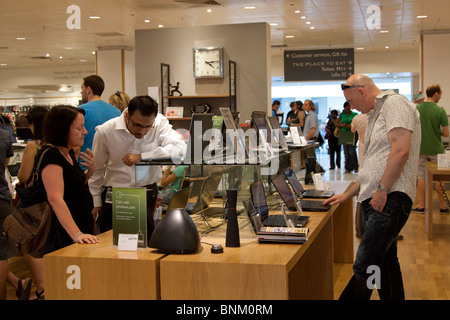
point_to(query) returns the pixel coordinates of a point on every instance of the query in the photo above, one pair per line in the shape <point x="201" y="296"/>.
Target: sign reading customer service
<point x="314" y="65"/>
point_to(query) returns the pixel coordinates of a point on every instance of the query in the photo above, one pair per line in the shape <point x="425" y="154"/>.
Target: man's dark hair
<point x="334" y="111"/>
<point x="96" y="84"/>
<point x="431" y="90"/>
<point x="57" y="124"/>
<point x="145" y="104"/>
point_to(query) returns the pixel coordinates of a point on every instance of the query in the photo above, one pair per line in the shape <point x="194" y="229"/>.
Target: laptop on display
<point x="300" y="192"/>
<point x="274" y="220"/>
<point x="203" y="193"/>
<point x="277" y="133"/>
<point x="289" y="199"/>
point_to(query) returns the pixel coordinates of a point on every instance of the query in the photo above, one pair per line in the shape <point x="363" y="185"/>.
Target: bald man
<point x="386" y="186"/>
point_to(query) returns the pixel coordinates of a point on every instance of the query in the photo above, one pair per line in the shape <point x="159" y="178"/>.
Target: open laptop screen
<point x="259" y="119"/>
<point x="284" y="191"/>
<point x="293" y="180"/>
<point x="259" y="199"/>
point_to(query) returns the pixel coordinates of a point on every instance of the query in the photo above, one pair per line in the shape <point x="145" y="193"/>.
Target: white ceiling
<point x="338" y="23"/>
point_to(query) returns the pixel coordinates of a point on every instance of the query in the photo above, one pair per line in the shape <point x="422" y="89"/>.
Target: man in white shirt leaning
<point x="140" y="133"/>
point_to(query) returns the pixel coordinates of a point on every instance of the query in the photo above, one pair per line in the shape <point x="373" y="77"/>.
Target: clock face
<point x="208" y="62"/>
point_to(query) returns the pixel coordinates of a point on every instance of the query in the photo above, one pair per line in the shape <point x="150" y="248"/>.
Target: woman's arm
<point x="26" y="167"/>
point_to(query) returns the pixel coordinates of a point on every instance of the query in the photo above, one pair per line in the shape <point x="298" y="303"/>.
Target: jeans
<point x="351" y="158"/>
<point x="378" y="247"/>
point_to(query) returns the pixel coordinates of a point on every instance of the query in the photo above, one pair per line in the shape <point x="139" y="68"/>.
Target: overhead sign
<point x="314" y="65"/>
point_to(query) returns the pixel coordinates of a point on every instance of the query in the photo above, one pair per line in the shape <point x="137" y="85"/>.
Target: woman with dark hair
<point x="35" y="118"/>
<point x="64" y="181"/>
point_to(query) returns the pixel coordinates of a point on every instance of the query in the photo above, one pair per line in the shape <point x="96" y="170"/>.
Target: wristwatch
<point x="383" y="188"/>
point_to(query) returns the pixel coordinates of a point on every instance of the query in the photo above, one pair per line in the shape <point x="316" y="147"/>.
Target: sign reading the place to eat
<point x="316" y="65"/>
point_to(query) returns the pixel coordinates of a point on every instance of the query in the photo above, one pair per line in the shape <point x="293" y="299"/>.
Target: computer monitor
<point x="259" y="120"/>
<point x="24" y="133"/>
<point x="259" y="198"/>
<point x="285" y="192"/>
<point x="237" y="136"/>
<point x="197" y="143"/>
<point x="277" y="133"/>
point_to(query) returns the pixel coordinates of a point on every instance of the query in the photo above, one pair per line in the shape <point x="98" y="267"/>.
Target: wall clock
<point x="208" y="62"/>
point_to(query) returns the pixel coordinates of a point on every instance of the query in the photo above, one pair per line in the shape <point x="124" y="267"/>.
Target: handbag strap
<point x="38" y="165"/>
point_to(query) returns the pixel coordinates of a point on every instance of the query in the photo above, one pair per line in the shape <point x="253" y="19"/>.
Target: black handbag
<point x="28" y="227"/>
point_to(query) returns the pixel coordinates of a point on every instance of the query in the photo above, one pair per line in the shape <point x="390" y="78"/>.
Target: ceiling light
<point x="308" y="22"/>
<point x="384" y="31"/>
<point x="20" y="38"/>
<point x="360" y="48"/>
<point x="3" y="64"/>
<point x="82" y="60"/>
<point x="422" y="17"/>
<point x="289" y="37"/>
<point x="146" y="20"/>
<point x="93" y="52"/>
<point x="160" y="26"/>
<point x="297" y="11"/>
<point x="249" y="7"/>
<point x="303" y="17"/>
<point x="274" y="24"/>
<point x="208" y="10"/>
<point x="312" y="28"/>
<point x="387" y="47"/>
<point x="47" y="54"/>
<point x="94" y="17"/>
<point x="68" y="48"/>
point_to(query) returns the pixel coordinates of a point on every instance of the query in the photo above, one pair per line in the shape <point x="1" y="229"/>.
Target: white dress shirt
<point x="112" y="141"/>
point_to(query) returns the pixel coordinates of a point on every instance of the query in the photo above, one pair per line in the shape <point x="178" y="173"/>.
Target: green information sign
<point x="130" y="214"/>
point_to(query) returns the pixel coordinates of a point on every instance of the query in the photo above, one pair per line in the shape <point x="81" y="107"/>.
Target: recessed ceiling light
<point x="422" y="17"/>
<point x="274" y="24"/>
<point x="297" y="11"/>
<point x="249" y="7"/>
<point x="312" y="28"/>
<point x="20" y="38"/>
<point x="60" y="57"/>
<point x="3" y="64"/>
<point x="360" y="48"/>
<point x="384" y="31"/>
<point x="289" y="37"/>
<point x="47" y="54"/>
<point x="308" y="22"/>
<point x="93" y="52"/>
<point x="146" y="20"/>
<point x="160" y="26"/>
<point x="94" y="17"/>
<point x="68" y="48"/>
<point x="387" y="47"/>
<point x="82" y="60"/>
<point x="208" y="10"/>
<point x="303" y="17"/>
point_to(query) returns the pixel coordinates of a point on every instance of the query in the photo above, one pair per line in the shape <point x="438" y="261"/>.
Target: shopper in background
<point x="418" y="97"/>
<point x="6" y="250"/>
<point x="35" y="117"/>
<point x="334" y="148"/>
<point x="120" y="100"/>
<point x="21" y="121"/>
<point x="275" y="107"/>
<point x="386" y="185"/>
<point x="97" y="111"/>
<point x="140" y="133"/>
<point x="301" y="115"/>
<point x="292" y="116"/>
<point x="345" y="123"/>
<point x="434" y="123"/>
<point x="311" y="128"/>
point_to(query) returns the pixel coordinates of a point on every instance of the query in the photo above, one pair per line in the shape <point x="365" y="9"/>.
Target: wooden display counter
<point x="265" y="271"/>
<point x="252" y="271"/>
<point x="100" y="271"/>
<point x="432" y="173"/>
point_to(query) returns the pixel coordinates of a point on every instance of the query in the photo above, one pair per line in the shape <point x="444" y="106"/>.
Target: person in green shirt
<point x="345" y="123"/>
<point x="434" y="124"/>
<point x="171" y="181"/>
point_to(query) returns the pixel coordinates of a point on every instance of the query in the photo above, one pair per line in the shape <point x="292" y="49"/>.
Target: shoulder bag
<point x="28" y="227"/>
